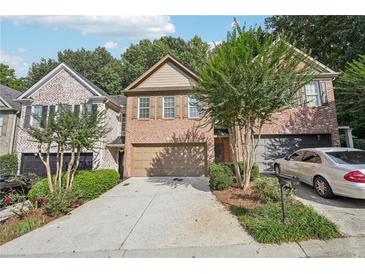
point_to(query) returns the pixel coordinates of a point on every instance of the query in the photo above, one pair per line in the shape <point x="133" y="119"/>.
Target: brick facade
<point x="157" y="130"/>
<point x="65" y="89"/>
<point x="307" y="120"/>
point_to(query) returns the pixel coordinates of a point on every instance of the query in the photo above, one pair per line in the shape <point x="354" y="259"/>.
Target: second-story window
<point x="144" y="107"/>
<point x="312" y="94"/>
<point x="315" y="94"/>
<point x="169" y="107"/>
<point x="36" y="116"/>
<point x="193" y="107"/>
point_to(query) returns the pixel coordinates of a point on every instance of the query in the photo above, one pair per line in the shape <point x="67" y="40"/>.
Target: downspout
<point x="12" y="140"/>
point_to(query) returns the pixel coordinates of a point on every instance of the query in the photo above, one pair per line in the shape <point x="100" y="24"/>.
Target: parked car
<point x="331" y="171"/>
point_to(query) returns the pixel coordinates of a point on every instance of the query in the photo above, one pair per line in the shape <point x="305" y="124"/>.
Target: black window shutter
<point x="94" y="108"/>
<point x="52" y="112"/>
<point x="77" y="110"/>
<point x="44" y="116"/>
<point x="28" y="113"/>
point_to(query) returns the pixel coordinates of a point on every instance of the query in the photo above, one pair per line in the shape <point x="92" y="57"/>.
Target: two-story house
<point x="157" y="129"/>
<point x="65" y="86"/>
<point x="165" y="135"/>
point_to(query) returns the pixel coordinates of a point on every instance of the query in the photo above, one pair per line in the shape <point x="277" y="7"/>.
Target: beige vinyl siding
<point x="167" y="75"/>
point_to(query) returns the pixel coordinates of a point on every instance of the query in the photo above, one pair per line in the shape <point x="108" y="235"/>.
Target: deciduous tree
<point x="249" y="77"/>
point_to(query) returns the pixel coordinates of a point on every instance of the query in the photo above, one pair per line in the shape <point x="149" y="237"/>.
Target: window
<point x="311" y="157"/>
<point x="36" y="116"/>
<point x="123" y="124"/>
<point x="355" y="157"/>
<point x="169" y="107"/>
<point x="193" y="107"/>
<point x="86" y="108"/>
<point x="144" y="107"/>
<point x="296" y="156"/>
<point x="323" y="90"/>
<point x="312" y="94"/>
<point x="1" y="123"/>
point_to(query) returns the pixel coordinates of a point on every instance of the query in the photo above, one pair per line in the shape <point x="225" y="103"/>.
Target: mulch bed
<point x="34" y="214"/>
<point x="235" y="196"/>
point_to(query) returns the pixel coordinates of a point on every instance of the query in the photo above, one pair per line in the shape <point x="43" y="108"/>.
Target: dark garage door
<point x="272" y="147"/>
<point x="31" y="163"/>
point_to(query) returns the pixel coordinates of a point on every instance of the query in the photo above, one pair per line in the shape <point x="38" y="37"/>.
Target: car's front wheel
<point x="322" y="187"/>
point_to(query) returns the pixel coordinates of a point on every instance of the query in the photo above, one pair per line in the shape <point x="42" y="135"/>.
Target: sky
<point x="27" y="39"/>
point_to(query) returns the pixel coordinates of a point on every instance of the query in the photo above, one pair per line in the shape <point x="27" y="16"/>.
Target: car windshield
<point x="348" y="157"/>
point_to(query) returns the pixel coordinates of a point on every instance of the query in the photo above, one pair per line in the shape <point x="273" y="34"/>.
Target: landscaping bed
<point x="88" y="185"/>
<point x="258" y="210"/>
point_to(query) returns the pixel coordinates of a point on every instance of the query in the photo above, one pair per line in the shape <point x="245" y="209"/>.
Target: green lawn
<point x="302" y="223"/>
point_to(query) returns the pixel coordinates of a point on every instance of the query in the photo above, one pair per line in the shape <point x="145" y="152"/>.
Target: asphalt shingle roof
<point x="9" y="94"/>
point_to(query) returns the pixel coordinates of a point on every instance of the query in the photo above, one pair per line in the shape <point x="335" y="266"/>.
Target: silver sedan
<point x="331" y="171"/>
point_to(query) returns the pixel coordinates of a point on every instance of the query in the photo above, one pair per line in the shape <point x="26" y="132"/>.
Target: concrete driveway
<point x="347" y="213"/>
<point x="138" y="214"/>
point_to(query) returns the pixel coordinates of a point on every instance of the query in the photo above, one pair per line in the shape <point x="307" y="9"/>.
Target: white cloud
<point x="15" y="62"/>
<point x="125" y="27"/>
<point x="21" y="50"/>
<point x="110" y="45"/>
<point x="213" y="44"/>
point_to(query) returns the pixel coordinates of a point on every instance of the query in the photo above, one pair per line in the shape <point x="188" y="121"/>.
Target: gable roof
<point x="151" y="70"/>
<point x="95" y="90"/>
<point x="7" y="95"/>
<point x="324" y="69"/>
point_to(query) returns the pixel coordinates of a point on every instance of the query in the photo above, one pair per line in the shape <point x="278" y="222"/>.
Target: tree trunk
<point x="46" y="164"/>
<point x="69" y="168"/>
<point x="233" y="145"/>
<point x="76" y="165"/>
<point x="60" y="168"/>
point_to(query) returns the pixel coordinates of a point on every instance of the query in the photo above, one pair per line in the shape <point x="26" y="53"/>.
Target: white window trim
<point x="189" y="116"/>
<point x="318" y="95"/>
<point x="163" y="107"/>
<point x="139" y="106"/>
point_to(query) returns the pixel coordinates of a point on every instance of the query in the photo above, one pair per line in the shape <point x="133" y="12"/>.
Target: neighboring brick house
<point x="157" y="129"/>
<point x="65" y="86"/>
<point x="9" y="117"/>
<point x="178" y="144"/>
<point x="164" y="133"/>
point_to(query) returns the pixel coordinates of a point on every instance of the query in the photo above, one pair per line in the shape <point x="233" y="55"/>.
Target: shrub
<point x="255" y="172"/>
<point x="8" y="164"/>
<point x="268" y="189"/>
<point x="38" y="190"/>
<point x="57" y="204"/>
<point x="92" y="183"/>
<point x="88" y="184"/>
<point x="220" y="176"/>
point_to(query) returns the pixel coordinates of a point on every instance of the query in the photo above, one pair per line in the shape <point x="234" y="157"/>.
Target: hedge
<point x="89" y="184"/>
<point x="8" y="164"/>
